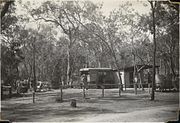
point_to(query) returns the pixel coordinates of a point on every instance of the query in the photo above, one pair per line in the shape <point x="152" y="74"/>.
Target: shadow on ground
<point x="22" y="109"/>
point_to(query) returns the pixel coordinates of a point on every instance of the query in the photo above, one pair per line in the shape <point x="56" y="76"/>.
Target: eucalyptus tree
<point x="95" y="48"/>
<point x="5" y="5"/>
<point x="66" y="15"/>
<point x="167" y="35"/>
<point x="11" y="53"/>
<point x="153" y="7"/>
<point x="166" y="25"/>
<point x="107" y="34"/>
<point x="45" y="53"/>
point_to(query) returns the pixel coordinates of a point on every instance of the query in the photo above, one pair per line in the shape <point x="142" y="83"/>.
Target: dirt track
<point x="111" y="108"/>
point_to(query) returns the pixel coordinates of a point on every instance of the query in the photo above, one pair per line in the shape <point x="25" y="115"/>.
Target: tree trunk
<point x="141" y="79"/>
<point x="68" y="67"/>
<point x="165" y="68"/>
<point x="154" y="52"/>
<point x="99" y="63"/>
<point x="172" y="66"/>
<point x="117" y="66"/>
<point x="134" y="73"/>
<point x="27" y="73"/>
<point x="34" y="65"/>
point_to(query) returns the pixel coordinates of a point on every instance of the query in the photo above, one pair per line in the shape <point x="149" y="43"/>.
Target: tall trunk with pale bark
<point x="68" y="58"/>
<point x="68" y="67"/>
<point x="154" y="51"/>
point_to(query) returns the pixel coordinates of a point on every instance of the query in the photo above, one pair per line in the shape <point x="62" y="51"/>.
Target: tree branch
<point x="68" y="18"/>
<point x="53" y="21"/>
<point x="5" y="8"/>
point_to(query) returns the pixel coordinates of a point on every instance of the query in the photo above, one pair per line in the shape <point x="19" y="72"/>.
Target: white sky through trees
<point x="139" y="6"/>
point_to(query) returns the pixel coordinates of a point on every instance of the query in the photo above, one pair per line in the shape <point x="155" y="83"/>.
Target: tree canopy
<point x="69" y="35"/>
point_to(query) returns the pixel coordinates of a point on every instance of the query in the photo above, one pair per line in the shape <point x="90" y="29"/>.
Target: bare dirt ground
<point x="111" y="108"/>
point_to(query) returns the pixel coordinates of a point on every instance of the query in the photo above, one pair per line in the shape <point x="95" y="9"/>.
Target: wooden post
<point x="33" y="96"/>
<point x="141" y="80"/>
<point x="149" y="91"/>
<point x="125" y="86"/>
<point x="2" y="96"/>
<point x="102" y="91"/>
<point x="119" y="89"/>
<point x="135" y="88"/>
<point x="61" y="93"/>
<point x="84" y="93"/>
<point x="10" y="91"/>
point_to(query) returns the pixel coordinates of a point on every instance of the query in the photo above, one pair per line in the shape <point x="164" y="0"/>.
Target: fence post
<point x="2" y="96"/>
<point x="149" y="88"/>
<point x="61" y="93"/>
<point x="102" y="90"/>
<point x="135" y="88"/>
<point x="125" y="86"/>
<point x="10" y="91"/>
<point x="119" y="89"/>
<point x="84" y="93"/>
<point x="33" y="96"/>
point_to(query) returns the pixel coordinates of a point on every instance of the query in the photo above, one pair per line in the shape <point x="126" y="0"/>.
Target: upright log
<point x="61" y="93"/>
<point x="84" y="93"/>
<point x="119" y="90"/>
<point x="33" y="94"/>
<point x="135" y="88"/>
<point x="149" y="91"/>
<point x="102" y="91"/>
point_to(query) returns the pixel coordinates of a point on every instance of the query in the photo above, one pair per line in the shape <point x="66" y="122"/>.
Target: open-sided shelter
<point x="127" y="74"/>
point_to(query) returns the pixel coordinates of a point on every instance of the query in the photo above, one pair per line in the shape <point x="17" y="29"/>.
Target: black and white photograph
<point x="89" y="61"/>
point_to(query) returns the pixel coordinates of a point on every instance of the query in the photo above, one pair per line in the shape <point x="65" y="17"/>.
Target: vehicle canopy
<point x="100" y="76"/>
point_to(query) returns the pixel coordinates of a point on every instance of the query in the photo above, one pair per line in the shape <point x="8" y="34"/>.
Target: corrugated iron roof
<point x="139" y="67"/>
<point x="97" y="69"/>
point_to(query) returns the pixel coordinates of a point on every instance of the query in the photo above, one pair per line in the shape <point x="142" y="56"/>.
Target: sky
<point x="109" y="5"/>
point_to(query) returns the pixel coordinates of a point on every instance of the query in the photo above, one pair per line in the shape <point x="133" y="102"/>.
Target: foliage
<point x="11" y="54"/>
<point x="74" y="34"/>
<point x="167" y="35"/>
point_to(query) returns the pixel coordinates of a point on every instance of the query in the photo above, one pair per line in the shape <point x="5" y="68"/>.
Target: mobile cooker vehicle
<point x="101" y="76"/>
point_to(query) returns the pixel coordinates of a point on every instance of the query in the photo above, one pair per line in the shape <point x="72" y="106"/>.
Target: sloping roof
<point x="96" y="69"/>
<point x="140" y="67"/>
